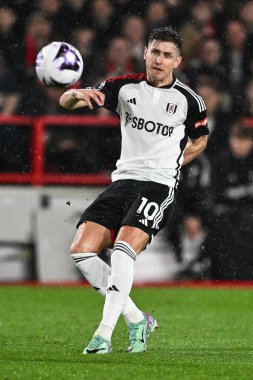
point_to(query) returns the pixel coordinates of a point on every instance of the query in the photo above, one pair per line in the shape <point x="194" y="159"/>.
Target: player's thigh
<point x="91" y="237"/>
<point x="105" y="211"/>
<point x="134" y="236"/>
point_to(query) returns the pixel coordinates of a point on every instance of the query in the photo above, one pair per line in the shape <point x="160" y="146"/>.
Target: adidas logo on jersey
<point x="133" y="101"/>
<point x="112" y="288"/>
<point x="144" y="221"/>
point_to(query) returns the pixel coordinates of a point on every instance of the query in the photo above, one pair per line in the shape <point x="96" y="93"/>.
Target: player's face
<point x="161" y="58"/>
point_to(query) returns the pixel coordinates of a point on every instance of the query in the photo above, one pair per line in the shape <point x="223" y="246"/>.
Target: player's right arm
<point x="73" y="99"/>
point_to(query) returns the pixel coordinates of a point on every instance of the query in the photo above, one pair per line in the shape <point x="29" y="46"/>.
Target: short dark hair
<point x="167" y="34"/>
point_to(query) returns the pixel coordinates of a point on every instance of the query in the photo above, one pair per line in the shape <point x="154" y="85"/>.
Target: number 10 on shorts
<point x="150" y="209"/>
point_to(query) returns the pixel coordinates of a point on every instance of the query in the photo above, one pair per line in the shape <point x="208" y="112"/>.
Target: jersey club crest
<point x="171" y="108"/>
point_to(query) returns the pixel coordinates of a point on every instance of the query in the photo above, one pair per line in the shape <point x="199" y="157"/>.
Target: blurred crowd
<point x="111" y="35"/>
<point x="213" y="215"/>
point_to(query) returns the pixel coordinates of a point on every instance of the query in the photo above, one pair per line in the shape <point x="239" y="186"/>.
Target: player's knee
<point x="136" y="238"/>
<point x="82" y="247"/>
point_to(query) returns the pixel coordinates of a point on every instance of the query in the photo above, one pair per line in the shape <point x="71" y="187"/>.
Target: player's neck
<point x="162" y="83"/>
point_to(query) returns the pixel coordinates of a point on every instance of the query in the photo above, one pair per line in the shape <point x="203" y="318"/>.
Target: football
<point x="59" y="64"/>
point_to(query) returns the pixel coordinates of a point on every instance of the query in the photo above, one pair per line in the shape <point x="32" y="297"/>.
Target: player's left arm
<point x="193" y="148"/>
<point x="197" y="128"/>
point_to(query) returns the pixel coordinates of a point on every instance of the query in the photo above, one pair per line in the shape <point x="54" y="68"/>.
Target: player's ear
<point x="177" y="62"/>
<point x="145" y="53"/>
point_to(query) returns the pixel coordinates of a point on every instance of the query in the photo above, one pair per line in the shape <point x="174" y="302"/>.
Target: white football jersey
<point x="155" y="126"/>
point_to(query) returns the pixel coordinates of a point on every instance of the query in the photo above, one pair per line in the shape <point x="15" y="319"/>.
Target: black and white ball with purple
<point x="59" y="64"/>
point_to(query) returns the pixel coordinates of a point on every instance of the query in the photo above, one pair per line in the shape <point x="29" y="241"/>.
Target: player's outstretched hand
<point x="83" y="97"/>
<point x="88" y="95"/>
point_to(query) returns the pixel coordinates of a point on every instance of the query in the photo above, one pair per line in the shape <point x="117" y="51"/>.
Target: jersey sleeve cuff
<point x="198" y="133"/>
